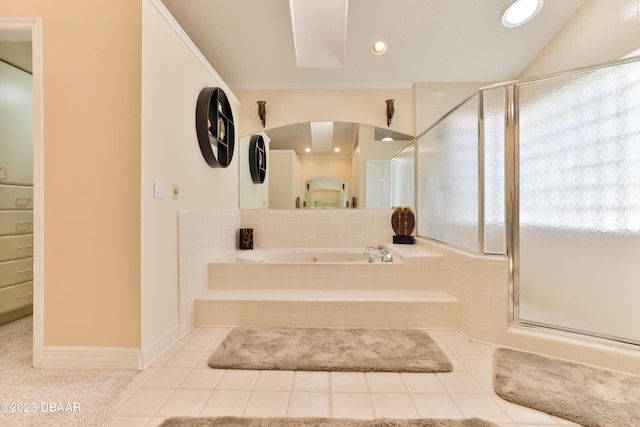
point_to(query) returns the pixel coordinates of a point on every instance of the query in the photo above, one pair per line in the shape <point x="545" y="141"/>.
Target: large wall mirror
<point x="330" y="165"/>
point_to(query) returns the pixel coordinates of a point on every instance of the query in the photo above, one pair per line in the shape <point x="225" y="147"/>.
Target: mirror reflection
<point x="330" y="165"/>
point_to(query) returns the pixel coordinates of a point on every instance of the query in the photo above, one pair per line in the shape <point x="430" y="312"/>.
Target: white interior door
<point x="378" y="177"/>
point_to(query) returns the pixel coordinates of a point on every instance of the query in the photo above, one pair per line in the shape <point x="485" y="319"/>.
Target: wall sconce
<point x="262" y="112"/>
<point x="390" y="110"/>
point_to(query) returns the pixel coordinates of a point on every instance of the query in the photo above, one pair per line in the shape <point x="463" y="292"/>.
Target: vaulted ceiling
<point x="261" y="44"/>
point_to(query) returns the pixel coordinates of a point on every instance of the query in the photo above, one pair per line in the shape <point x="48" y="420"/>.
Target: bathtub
<point x="308" y="256"/>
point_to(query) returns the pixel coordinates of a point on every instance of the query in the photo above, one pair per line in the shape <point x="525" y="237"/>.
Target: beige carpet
<point x="586" y="395"/>
<point x="330" y="349"/>
<point x="92" y="394"/>
<point x="320" y="422"/>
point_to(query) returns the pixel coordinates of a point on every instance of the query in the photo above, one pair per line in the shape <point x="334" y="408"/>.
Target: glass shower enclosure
<point x="547" y="171"/>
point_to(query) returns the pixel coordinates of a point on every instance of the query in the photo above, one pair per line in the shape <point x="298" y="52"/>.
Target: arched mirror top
<point x="303" y="151"/>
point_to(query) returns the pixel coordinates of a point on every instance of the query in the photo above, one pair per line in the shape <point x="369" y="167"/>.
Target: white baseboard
<point x="161" y="345"/>
<point x="90" y="358"/>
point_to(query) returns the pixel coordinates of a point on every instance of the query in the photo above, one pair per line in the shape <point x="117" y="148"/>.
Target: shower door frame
<point x="512" y="207"/>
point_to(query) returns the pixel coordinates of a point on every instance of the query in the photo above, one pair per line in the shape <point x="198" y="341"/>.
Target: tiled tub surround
<point x="318" y="228"/>
<point x="203" y="235"/>
<point x="404" y="293"/>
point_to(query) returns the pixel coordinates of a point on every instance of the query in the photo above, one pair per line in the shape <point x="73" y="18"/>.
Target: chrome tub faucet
<point x="385" y="254"/>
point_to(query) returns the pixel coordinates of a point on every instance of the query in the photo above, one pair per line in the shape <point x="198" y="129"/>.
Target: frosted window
<point x="583" y="135"/>
<point x="494" y="210"/>
<point x="580" y="202"/>
<point x="448" y="179"/>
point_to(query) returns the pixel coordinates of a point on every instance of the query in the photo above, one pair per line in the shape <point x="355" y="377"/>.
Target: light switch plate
<point x="158" y="189"/>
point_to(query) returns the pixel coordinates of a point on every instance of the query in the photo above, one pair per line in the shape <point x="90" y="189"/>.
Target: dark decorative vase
<point x="246" y="238"/>
<point x="403" y="221"/>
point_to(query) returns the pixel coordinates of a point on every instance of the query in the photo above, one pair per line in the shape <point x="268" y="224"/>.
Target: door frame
<point x="30" y="29"/>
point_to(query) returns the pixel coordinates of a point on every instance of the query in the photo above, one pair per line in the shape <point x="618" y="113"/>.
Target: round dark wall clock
<point x="257" y="159"/>
<point x="214" y="127"/>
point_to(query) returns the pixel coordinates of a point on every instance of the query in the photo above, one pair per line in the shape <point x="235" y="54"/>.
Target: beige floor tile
<point x="431" y="405"/>
<point x="237" y="380"/>
<point x="206" y="379"/>
<point x="184" y="403"/>
<point x="463" y="346"/>
<point x="349" y="382"/>
<point x="274" y="381"/>
<point x="393" y="405"/>
<point x="352" y="405"/>
<point x="457" y="365"/>
<point x="216" y="332"/>
<point x="385" y="382"/>
<point x="311" y="381"/>
<point x="203" y="363"/>
<point x="485" y="379"/>
<point x="155" y="421"/>
<point x="481" y="406"/>
<point x="460" y="382"/>
<point x="124" y="395"/>
<point x="309" y="404"/>
<point x="129" y="421"/>
<point x="162" y="359"/>
<point x="267" y="404"/>
<point x="225" y="403"/>
<point x="422" y="383"/>
<point x="184" y="359"/>
<point x="166" y="378"/>
<point x="144" y="402"/>
<point x="178" y="345"/>
<point x="141" y="377"/>
<point x="199" y="344"/>
<point x="476" y="362"/>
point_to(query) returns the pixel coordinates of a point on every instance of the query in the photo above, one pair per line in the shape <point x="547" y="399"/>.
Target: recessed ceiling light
<point x="337" y="149"/>
<point x="519" y="12"/>
<point x="379" y="47"/>
<point x="387" y="139"/>
<point x="308" y="150"/>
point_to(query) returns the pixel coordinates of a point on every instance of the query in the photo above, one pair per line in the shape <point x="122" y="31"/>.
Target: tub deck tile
<point x="326" y="308"/>
<point x="327" y="295"/>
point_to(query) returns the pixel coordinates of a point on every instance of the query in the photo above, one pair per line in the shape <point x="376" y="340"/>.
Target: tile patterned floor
<point x="179" y="383"/>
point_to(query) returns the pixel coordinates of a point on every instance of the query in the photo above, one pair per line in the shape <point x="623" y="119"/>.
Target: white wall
<point x="284" y="178"/>
<point x="601" y="31"/>
<point x="370" y="149"/>
<point x="434" y="100"/>
<point x="172" y="77"/>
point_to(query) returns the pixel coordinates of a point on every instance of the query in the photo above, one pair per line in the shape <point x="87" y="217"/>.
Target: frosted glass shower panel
<point x="403" y="178"/>
<point x="579" y="205"/>
<point x="448" y="178"/>
<point x="493" y="109"/>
